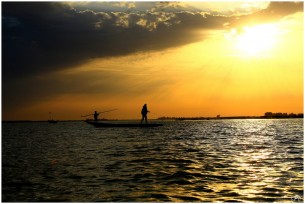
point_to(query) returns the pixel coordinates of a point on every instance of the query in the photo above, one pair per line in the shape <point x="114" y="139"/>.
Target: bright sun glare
<point x="255" y="41"/>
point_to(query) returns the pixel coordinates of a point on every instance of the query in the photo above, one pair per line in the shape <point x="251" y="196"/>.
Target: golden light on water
<point x="228" y="63"/>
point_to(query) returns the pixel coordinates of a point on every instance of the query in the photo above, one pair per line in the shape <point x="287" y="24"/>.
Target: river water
<point x="182" y="161"/>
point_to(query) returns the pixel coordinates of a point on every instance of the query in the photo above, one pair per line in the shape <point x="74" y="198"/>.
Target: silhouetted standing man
<point x="144" y="113"/>
<point x="95" y="115"/>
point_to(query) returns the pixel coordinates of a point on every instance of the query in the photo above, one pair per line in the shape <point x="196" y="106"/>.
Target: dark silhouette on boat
<point x="144" y="112"/>
<point x="96" y="114"/>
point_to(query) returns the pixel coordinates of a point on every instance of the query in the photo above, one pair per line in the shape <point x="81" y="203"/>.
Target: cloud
<point x="40" y="38"/>
<point x="45" y="36"/>
<point x="274" y="11"/>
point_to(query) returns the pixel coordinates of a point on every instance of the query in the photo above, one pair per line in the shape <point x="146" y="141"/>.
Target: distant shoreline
<point x="161" y="118"/>
<point x="223" y="118"/>
<point x="268" y="115"/>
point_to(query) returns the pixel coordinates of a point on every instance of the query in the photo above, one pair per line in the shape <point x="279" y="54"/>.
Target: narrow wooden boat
<point x="103" y="124"/>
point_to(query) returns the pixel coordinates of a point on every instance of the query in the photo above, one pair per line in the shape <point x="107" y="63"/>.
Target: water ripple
<point x="183" y="161"/>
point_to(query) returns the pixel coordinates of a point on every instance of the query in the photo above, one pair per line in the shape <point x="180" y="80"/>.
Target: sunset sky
<point x="180" y="58"/>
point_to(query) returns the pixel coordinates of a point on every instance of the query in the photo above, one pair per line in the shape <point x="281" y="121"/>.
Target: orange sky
<point x="243" y="70"/>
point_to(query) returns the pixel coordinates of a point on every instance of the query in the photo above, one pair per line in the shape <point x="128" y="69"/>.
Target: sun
<point x="256" y="41"/>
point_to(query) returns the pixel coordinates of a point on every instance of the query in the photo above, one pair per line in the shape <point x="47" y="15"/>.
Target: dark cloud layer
<point x="39" y="37"/>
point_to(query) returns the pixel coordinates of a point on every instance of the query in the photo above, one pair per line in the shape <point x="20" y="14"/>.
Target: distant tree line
<point x="283" y="115"/>
<point x="209" y="118"/>
<point x="267" y="115"/>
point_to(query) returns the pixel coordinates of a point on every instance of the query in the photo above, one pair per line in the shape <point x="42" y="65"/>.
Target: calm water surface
<point x="183" y="161"/>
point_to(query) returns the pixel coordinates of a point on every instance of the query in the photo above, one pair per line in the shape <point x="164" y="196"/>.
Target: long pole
<point x="100" y="112"/>
<point x="109" y="110"/>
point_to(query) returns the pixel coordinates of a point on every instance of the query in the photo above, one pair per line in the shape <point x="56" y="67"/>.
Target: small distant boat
<point x="53" y="121"/>
<point x="102" y="124"/>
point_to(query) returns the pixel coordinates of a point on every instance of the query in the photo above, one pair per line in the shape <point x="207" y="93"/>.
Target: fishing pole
<point x="100" y="112"/>
<point x="158" y="116"/>
<point x="108" y="111"/>
<point x="85" y="115"/>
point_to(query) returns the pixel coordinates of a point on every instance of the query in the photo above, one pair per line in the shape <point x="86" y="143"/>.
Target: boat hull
<point x="101" y="124"/>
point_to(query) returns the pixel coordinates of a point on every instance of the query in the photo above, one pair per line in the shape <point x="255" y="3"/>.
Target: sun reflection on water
<point x="206" y="161"/>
